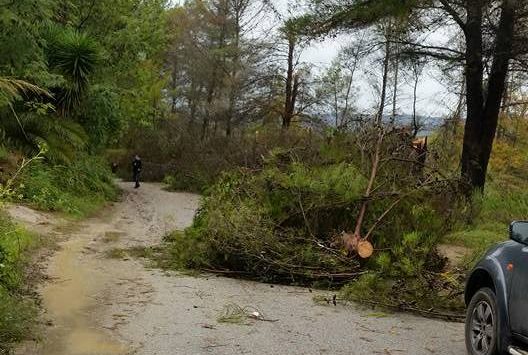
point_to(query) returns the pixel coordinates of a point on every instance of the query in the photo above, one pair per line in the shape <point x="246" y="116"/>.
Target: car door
<point x="518" y="305"/>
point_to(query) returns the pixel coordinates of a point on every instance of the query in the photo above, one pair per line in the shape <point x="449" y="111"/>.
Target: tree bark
<point x="415" y="99"/>
<point x="396" y="82"/>
<point x="386" y="61"/>
<point x="471" y="172"/>
<point x="289" y="103"/>
<point x="497" y="83"/>
<point x="483" y="113"/>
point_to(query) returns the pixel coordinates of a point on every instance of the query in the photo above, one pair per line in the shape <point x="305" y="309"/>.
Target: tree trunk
<point x="386" y="61"/>
<point x="457" y="115"/>
<point x="497" y="82"/>
<point x="415" y="99"/>
<point x="174" y="85"/>
<point x="396" y="82"/>
<point x="471" y="171"/>
<point x="233" y="92"/>
<point x="208" y="103"/>
<point x="483" y="116"/>
<point x="288" y="107"/>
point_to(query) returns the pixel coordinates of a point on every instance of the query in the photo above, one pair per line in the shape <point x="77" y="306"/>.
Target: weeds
<point x="78" y="189"/>
<point x="17" y="310"/>
<point x="234" y="314"/>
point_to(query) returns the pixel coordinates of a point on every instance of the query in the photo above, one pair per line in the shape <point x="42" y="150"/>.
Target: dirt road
<point x="98" y="305"/>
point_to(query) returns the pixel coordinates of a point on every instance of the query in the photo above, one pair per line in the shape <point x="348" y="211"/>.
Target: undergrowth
<point x="77" y="188"/>
<point x="17" y="308"/>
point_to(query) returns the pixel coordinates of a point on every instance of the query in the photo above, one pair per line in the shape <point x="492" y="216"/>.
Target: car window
<point x="519" y="232"/>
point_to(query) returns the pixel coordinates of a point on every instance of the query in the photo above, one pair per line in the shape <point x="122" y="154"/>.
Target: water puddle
<point x="70" y="300"/>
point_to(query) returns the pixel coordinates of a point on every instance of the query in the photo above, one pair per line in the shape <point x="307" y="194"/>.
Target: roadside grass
<point x="77" y="189"/>
<point x="501" y="204"/>
<point x="18" y="309"/>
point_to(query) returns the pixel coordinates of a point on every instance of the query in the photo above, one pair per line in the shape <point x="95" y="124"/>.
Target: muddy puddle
<point x="79" y="285"/>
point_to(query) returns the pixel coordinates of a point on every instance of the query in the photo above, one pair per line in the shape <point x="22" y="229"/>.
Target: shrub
<point x="173" y="149"/>
<point x="17" y="311"/>
<point x="77" y="188"/>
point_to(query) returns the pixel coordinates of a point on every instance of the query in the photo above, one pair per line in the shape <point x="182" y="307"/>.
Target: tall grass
<point x="17" y="310"/>
<point x="78" y="188"/>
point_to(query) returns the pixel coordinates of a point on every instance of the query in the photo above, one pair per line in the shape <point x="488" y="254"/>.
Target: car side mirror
<point x="519" y="231"/>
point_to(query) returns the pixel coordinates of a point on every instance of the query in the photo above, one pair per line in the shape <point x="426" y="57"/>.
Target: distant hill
<point x="427" y="123"/>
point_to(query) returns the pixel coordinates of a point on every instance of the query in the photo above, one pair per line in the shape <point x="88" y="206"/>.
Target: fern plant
<point x="62" y="137"/>
<point x="13" y="89"/>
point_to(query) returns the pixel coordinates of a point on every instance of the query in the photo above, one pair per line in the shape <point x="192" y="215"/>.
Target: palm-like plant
<point x="63" y="138"/>
<point x="29" y="131"/>
<point x="74" y="55"/>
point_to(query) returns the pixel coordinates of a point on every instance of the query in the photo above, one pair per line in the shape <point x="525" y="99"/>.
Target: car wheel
<point x="482" y="324"/>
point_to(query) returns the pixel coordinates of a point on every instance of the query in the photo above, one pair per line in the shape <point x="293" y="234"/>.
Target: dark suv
<point x="497" y="298"/>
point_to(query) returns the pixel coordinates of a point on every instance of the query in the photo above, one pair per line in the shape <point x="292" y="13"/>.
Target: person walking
<point x="136" y="169"/>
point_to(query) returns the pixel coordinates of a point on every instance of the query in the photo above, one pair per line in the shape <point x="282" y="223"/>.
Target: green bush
<point x="17" y="311"/>
<point x="17" y="319"/>
<point x="78" y="188"/>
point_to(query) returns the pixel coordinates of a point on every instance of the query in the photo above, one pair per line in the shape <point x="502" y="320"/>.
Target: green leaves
<point x="75" y="56"/>
<point x="333" y="15"/>
<point x="12" y="89"/>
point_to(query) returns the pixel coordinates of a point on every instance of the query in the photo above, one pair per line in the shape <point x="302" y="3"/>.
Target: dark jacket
<point x="136" y="166"/>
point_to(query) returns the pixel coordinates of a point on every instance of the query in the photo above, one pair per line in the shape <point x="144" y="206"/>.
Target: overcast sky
<point x="433" y="97"/>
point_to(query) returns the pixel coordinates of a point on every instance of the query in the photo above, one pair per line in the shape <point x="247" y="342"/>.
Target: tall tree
<point x="217" y="66"/>
<point x="491" y="43"/>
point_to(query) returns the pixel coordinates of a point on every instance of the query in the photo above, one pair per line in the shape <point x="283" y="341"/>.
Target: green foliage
<point x="17" y="318"/>
<point x="74" y="55"/>
<point x="12" y="89"/>
<point x="63" y="138"/>
<point x="330" y="16"/>
<point x="13" y="242"/>
<point x="430" y="294"/>
<point x="20" y="36"/>
<point x="77" y="188"/>
<point x="102" y="117"/>
<point x="283" y="222"/>
<point x="101" y="66"/>
<point x="17" y="312"/>
<point x="491" y="214"/>
<point x="274" y="225"/>
<point x="402" y="277"/>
